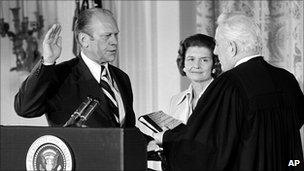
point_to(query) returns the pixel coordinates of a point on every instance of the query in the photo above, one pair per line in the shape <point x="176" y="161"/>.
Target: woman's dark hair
<point x="197" y="40"/>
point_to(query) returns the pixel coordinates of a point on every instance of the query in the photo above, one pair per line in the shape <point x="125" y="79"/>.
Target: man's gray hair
<point x="242" y="29"/>
<point x="83" y="22"/>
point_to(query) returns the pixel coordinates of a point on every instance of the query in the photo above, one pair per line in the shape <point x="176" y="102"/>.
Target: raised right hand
<point x="52" y="44"/>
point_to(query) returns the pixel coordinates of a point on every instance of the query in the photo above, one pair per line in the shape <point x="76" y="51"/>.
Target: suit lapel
<point x="88" y="86"/>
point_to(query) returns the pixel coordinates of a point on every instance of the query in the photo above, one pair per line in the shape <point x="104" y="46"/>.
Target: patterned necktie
<point x="105" y="84"/>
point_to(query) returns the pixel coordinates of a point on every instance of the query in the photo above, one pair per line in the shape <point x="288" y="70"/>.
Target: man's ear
<point x="83" y="39"/>
<point x="232" y="47"/>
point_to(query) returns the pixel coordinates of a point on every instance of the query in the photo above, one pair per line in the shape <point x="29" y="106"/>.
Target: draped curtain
<point x="137" y="49"/>
<point x="148" y="43"/>
<point x="281" y="23"/>
<point x="136" y="52"/>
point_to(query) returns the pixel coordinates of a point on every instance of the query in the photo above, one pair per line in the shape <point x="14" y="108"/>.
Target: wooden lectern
<point x="91" y="148"/>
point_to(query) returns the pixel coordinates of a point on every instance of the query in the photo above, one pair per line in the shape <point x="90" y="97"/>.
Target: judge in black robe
<point x="247" y="119"/>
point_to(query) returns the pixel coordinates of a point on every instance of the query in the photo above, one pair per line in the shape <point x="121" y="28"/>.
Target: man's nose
<point x="113" y="40"/>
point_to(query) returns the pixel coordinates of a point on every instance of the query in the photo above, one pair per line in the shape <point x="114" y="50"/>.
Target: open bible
<point x="157" y="120"/>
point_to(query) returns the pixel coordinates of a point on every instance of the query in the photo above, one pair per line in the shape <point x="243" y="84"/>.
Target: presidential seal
<point x="48" y="153"/>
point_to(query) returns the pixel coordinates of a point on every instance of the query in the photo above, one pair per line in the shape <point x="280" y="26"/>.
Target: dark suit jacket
<point x="58" y="90"/>
<point x="247" y="119"/>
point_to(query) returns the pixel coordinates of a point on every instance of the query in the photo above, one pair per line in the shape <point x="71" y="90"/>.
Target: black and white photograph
<point x="151" y="85"/>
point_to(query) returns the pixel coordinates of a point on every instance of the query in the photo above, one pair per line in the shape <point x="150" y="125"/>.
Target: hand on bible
<point x="159" y="136"/>
<point x="52" y="45"/>
<point x="152" y="146"/>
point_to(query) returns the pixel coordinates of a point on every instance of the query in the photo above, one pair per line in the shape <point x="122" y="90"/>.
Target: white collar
<point x="185" y="94"/>
<point x="246" y="59"/>
<point x="189" y="93"/>
<point x="94" y="67"/>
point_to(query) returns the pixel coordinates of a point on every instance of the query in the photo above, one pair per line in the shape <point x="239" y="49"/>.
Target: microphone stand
<point x="88" y="111"/>
<point x="78" y="112"/>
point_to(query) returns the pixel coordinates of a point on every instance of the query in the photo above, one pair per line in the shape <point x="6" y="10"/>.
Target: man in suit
<point x="57" y="90"/>
<point x="248" y="118"/>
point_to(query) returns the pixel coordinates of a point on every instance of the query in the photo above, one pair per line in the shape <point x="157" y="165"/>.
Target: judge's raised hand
<point x="52" y="45"/>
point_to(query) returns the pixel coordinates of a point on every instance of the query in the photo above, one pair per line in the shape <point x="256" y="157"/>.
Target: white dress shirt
<point x="181" y="104"/>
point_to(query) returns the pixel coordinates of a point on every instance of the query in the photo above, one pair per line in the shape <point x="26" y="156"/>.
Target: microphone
<point x="86" y="114"/>
<point x="78" y="112"/>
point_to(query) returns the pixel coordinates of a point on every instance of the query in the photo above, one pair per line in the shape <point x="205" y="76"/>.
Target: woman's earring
<point x="213" y="71"/>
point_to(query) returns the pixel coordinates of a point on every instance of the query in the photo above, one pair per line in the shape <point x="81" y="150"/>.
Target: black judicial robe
<point x="248" y="119"/>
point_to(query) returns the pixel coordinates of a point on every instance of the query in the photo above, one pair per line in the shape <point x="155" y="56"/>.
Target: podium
<point x="54" y="148"/>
